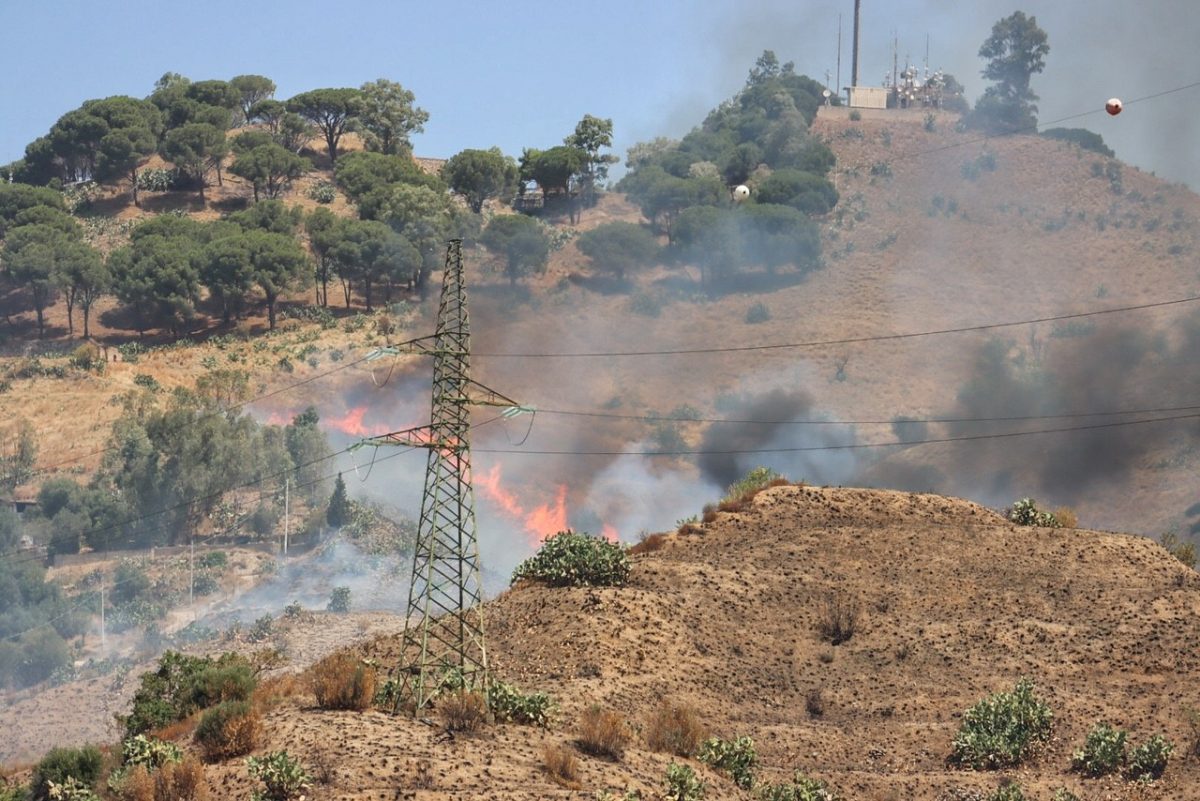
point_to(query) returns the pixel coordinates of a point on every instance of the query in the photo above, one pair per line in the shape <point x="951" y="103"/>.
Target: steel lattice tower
<point x="443" y="629"/>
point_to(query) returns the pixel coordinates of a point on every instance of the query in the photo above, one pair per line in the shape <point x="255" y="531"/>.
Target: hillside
<point x="955" y="603"/>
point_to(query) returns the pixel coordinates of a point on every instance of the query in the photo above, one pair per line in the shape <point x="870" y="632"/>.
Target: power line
<point x="854" y="446"/>
<point x="845" y="341"/>
<point x="892" y="421"/>
<point x="1020" y="130"/>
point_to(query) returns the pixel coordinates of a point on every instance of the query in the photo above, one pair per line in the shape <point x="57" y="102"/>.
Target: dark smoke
<point x="782" y="406"/>
<point x="1109" y="369"/>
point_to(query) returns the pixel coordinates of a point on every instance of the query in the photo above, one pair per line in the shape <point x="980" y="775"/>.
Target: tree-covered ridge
<point x="759" y="138"/>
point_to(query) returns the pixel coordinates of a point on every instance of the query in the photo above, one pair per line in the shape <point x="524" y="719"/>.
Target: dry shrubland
<point x="342" y="681"/>
<point x="602" y="733"/>
<point x="562" y="766"/>
<point x="674" y="729"/>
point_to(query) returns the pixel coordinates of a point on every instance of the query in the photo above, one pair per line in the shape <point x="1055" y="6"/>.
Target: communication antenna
<point x="443" y="626"/>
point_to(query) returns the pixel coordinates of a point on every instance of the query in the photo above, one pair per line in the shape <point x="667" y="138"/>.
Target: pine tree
<point x="338" y="513"/>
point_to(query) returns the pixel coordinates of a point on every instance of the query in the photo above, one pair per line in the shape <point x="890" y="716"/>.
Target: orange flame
<point x="609" y="533"/>
<point x="352" y="423"/>
<point x="543" y="521"/>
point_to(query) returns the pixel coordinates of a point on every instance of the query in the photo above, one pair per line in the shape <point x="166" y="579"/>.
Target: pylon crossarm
<point x="425" y="345"/>
<point x="478" y="394"/>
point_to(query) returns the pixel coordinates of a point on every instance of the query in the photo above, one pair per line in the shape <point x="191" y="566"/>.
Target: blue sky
<point x="522" y="73"/>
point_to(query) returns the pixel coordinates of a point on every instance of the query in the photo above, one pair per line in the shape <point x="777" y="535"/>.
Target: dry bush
<point x="230" y="729"/>
<point x="323" y="764"/>
<point x="654" y="542"/>
<point x="463" y="711"/>
<point x="602" y="733"/>
<point x="181" y="781"/>
<point x="1066" y="517"/>
<point x="179" y="729"/>
<point x="137" y="785"/>
<point x="422" y="775"/>
<point x="342" y="681"/>
<point x="674" y="729"/>
<point x="562" y="766"/>
<point x="710" y="514"/>
<point x="814" y="702"/>
<point x="278" y="688"/>
<point x="746" y="500"/>
<point x="838" y="617"/>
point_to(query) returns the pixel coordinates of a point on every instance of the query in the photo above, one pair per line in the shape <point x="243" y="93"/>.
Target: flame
<point x="549" y="518"/>
<point x="542" y="522"/>
<point x="609" y="533"/>
<point x="352" y="423"/>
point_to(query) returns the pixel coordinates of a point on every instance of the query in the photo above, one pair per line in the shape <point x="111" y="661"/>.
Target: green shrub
<point x="1185" y="552"/>
<point x="1148" y="760"/>
<point x="1008" y="792"/>
<point x="283" y="777"/>
<point x="233" y="681"/>
<point x="645" y="304"/>
<point x="1063" y="794"/>
<point x="758" y="313"/>
<point x="683" y="784"/>
<point x="757" y="479"/>
<point x="229" y="729"/>
<point x="1025" y="513"/>
<point x="1003" y="729"/>
<point x="323" y="192"/>
<point x="1102" y="753"/>
<point x="82" y="764"/>
<point x="262" y="629"/>
<point x="181" y="685"/>
<point x="735" y="757"/>
<point x="509" y="704"/>
<point x="855" y="115"/>
<point x="71" y="789"/>
<point x="213" y="560"/>
<point x="149" y="752"/>
<point x="13" y="792"/>
<point x="40" y="653"/>
<point x="568" y="559"/>
<point x="801" y="788"/>
<point x="339" y="600"/>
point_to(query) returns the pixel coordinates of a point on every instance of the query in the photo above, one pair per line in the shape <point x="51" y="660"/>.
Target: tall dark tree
<point x="388" y="116"/>
<point x="480" y="174"/>
<point x="252" y="90"/>
<point x="331" y="110"/>
<point x="270" y="168"/>
<point x="84" y="277"/>
<point x="1015" y="51"/>
<point x="195" y="148"/>
<point x="321" y="227"/>
<point x="278" y="264"/>
<point x="618" y="247"/>
<point x="337" y="514"/>
<point x="591" y="135"/>
<point x="554" y="170"/>
<point x="155" y="276"/>
<point x="520" y="242"/>
<point x="31" y="256"/>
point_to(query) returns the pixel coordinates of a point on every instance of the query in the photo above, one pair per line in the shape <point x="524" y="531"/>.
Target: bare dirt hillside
<point x="955" y="602"/>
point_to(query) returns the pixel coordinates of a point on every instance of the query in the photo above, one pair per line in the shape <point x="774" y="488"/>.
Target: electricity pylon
<point x="443" y="628"/>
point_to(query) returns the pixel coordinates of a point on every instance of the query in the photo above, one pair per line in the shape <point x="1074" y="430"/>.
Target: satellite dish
<point x="826" y="93"/>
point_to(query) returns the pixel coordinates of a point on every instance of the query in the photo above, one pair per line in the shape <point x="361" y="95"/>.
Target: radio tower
<point x="443" y="627"/>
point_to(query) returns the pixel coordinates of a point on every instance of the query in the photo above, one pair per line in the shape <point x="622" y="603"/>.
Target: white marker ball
<point x="741" y="192"/>
<point x="1114" y="106"/>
